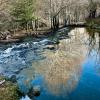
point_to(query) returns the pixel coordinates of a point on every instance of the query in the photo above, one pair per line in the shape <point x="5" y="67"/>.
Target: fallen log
<point x="2" y="82"/>
<point x="10" y="41"/>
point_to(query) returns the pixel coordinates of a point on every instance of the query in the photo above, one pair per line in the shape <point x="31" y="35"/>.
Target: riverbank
<point x="9" y="37"/>
<point x="18" y="36"/>
<point x="8" y="90"/>
<point x="93" y="23"/>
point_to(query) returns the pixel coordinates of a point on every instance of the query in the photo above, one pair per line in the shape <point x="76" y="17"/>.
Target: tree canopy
<point x="23" y="11"/>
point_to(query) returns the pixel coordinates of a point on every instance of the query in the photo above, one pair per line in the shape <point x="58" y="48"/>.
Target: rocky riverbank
<point x="11" y="37"/>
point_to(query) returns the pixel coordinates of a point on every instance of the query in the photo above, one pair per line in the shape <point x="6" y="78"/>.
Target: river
<point x="67" y="70"/>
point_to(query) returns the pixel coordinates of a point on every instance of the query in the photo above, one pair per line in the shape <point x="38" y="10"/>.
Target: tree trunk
<point x="27" y="26"/>
<point x="36" y="24"/>
<point x="32" y="25"/>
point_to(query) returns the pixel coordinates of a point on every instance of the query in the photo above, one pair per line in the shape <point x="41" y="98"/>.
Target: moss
<point x="8" y="90"/>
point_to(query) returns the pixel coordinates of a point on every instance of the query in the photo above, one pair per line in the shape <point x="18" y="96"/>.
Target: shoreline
<point x="7" y="87"/>
<point x="20" y="36"/>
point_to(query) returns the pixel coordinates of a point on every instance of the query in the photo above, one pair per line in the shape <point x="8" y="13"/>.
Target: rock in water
<point x="35" y="91"/>
<point x="50" y="47"/>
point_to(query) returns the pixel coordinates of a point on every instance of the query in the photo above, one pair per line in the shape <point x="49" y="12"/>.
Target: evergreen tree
<point x="23" y="11"/>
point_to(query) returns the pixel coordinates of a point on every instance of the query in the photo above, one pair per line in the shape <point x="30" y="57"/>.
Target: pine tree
<point x="23" y="11"/>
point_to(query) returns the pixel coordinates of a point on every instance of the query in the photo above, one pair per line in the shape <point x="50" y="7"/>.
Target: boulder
<point x="50" y="47"/>
<point x="8" y="37"/>
<point x="35" y="91"/>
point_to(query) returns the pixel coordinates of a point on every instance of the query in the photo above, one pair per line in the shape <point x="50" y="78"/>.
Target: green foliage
<point x="23" y="11"/>
<point x="92" y="5"/>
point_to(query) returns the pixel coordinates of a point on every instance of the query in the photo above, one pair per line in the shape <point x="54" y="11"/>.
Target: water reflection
<point x="94" y="42"/>
<point x="94" y="46"/>
<point x="60" y="72"/>
<point x="69" y="72"/>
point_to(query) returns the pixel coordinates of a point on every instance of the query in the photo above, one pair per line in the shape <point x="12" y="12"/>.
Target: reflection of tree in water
<point x="61" y="69"/>
<point x="94" y="43"/>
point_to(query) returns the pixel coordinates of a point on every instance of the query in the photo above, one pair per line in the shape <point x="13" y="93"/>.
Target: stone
<point x="8" y="37"/>
<point x="50" y="47"/>
<point x="35" y="91"/>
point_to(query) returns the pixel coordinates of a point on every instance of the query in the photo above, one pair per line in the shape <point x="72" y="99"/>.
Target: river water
<point x="67" y="70"/>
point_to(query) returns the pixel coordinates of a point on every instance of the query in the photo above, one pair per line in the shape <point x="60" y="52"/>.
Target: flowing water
<point x="68" y="70"/>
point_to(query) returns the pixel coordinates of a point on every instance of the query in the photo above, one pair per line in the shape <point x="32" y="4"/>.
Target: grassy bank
<point x="8" y="90"/>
